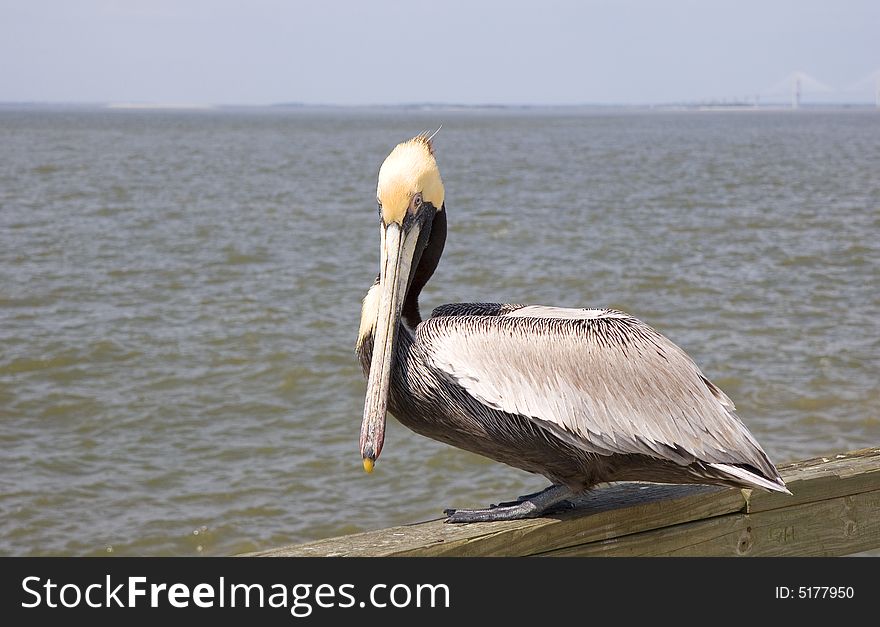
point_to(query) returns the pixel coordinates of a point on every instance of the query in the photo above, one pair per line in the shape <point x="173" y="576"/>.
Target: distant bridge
<point x="796" y="84"/>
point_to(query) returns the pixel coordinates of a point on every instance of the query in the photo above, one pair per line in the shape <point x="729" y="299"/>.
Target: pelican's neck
<point x="410" y="312"/>
<point x="366" y="334"/>
<point x="427" y="264"/>
<point x="369" y="317"/>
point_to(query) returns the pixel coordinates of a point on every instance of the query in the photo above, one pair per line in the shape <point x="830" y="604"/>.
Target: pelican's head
<point x="408" y="179"/>
<point x="410" y="195"/>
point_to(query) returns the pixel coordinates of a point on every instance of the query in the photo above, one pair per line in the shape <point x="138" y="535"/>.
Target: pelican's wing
<point x="598" y="378"/>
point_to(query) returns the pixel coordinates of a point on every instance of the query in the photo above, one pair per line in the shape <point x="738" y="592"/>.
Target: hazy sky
<point x="394" y="51"/>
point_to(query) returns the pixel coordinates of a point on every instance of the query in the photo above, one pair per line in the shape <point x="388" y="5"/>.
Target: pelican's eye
<point x="417" y="201"/>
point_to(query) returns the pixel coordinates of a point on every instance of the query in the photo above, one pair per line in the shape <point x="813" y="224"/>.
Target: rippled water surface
<point x="180" y="295"/>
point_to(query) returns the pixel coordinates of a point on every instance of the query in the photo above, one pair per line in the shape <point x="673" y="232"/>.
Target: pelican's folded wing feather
<point x="598" y="378"/>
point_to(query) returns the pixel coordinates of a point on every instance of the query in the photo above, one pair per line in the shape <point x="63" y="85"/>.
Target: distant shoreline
<point x="443" y="107"/>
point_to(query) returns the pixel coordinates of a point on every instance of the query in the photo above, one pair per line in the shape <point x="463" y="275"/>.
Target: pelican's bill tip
<point x="368" y="465"/>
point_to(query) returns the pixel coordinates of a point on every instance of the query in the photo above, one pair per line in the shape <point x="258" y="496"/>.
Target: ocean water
<point x="180" y="296"/>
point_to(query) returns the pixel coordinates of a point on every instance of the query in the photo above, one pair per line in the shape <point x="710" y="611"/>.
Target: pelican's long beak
<point x="398" y="250"/>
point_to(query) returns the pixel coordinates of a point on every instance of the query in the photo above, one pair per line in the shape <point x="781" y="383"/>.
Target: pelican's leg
<point x="524" y="497"/>
<point x="531" y="507"/>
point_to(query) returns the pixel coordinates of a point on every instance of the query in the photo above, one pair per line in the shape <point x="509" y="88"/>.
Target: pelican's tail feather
<point x="752" y="478"/>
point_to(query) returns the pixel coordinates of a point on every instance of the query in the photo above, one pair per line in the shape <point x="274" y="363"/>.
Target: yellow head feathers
<point x="409" y="170"/>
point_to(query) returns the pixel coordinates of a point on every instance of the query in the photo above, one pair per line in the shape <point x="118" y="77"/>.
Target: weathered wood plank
<point x="838" y="526"/>
<point x="597" y="516"/>
<point x="824" y="477"/>
<point x="651" y="519"/>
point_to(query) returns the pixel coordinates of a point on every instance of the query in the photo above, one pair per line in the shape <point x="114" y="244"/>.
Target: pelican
<point x="580" y="396"/>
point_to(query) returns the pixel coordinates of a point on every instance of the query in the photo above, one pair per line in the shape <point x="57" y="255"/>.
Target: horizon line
<point x="197" y="105"/>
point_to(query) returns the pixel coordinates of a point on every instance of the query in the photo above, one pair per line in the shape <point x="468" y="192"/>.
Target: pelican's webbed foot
<point x="529" y="506"/>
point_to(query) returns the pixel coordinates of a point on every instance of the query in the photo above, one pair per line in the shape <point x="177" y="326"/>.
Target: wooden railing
<point x="834" y="510"/>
